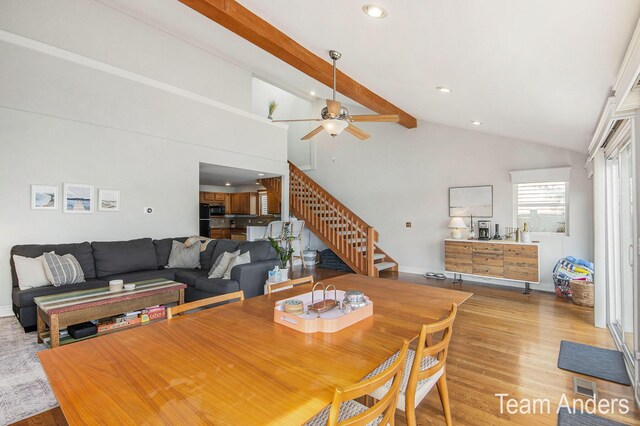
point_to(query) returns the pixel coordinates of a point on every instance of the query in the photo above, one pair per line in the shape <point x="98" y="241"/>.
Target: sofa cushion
<point x="224" y="245"/>
<point x="260" y="250"/>
<point x="30" y="271"/>
<point x="81" y="251"/>
<point x="132" y="277"/>
<point x="62" y="270"/>
<point x="189" y="276"/>
<point x="163" y="249"/>
<point x="118" y="257"/>
<point x="240" y="259"/>
<point x="217" y="285"/>
<point x="184" y="257"/>
<point x="23" y="298"/>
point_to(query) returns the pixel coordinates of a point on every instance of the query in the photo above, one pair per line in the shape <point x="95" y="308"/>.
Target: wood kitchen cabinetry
<point x="242" y="203"/>
<point x="212" y="197"/>
<point x="218" y="234"/>
<point x="273" y="203"/>
<point x="505" y="260"/>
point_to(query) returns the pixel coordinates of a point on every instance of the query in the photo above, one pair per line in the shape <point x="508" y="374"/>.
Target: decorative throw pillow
<point x="184" y="256"/>
<point x="30" y="272"/>
<point x="62" y="270"/>
<point x="241" y="259"/>
<point x="222" y="263"/>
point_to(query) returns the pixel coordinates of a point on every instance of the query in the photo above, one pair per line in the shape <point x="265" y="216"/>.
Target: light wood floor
<point x="503" y="342"/>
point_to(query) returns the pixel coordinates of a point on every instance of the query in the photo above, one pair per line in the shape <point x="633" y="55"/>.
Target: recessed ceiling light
<point x="374" y="11"/>
<point x="312" y="93"/>
<point x="443" y="89"/>
<point x="476" y="122"/>
<point x="260" y="174"/>
<point x="227" y="184"/>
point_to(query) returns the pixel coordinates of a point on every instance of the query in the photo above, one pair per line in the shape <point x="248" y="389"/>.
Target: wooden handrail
<point x="350" y="237"/>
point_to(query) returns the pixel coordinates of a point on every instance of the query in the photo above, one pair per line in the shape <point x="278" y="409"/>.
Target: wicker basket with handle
<point x="582" y="292"/>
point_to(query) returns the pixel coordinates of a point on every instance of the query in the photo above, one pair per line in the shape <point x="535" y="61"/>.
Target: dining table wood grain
<point x="232" y="364"/>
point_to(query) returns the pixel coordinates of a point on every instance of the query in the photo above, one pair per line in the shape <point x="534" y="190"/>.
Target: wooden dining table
<point x="232" y="364"/>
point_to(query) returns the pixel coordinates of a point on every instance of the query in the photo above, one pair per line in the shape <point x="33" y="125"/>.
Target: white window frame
<point x="566" y="208"/>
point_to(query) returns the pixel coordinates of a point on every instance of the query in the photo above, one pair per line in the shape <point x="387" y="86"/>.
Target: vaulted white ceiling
<point x="534" y="70"/>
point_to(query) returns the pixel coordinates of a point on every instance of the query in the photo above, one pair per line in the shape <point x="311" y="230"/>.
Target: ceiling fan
<point x="336" y="118"/>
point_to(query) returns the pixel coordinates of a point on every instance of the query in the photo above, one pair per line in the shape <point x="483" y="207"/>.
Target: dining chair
<point x="296" y="228"/>
<point x="345" y="411"/>
<point x="176" y="310"/>
<point x="274" y="229"/>
<point x="425" y="367"/>
<point x="271" y="288"/>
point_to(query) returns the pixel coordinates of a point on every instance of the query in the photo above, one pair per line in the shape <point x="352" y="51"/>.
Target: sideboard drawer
<point x="488" y="271"/>
<point x="521" y="251"/>
<point x="528" y="274"/>
<point x="487" y="248"/>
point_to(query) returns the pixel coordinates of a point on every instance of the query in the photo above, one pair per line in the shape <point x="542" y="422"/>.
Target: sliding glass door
<point x="621" y="251"/>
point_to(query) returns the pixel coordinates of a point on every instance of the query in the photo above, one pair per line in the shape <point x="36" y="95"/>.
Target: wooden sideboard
<point x="500" y="259"/>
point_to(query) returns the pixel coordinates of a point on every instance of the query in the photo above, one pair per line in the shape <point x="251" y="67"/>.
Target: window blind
<point x="542" y="205"/>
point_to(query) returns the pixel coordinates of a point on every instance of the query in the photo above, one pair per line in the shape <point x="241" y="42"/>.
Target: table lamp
<point x="457" y="225"/>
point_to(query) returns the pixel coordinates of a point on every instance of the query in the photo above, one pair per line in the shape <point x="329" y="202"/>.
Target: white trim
<point x="66" y="55"/>
<point x="6" y="311"/>
<point x="556" y="174"/>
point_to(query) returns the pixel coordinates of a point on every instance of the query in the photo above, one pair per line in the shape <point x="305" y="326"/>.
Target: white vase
<point x="284" y="274"/>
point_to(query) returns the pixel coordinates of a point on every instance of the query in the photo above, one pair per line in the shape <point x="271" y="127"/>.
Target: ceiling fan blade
<point x="390" y="118"/>
<point x="357" y="132"/>
<point x="333" y="107"/>
<point x="299" y="119"/>
<point x="312" y="133"/>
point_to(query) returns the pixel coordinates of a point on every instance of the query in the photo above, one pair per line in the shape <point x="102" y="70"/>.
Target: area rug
<point x="601" y="363"/>
<point x="578" y="418"/>
<point x="24" y="388"/>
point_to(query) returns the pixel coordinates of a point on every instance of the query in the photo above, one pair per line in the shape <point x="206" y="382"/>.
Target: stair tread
<point x="378" y="256"/>
<point x="384" y="265"/>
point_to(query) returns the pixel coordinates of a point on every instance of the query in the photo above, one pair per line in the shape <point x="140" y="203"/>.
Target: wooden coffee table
<point x="61" y="310"/>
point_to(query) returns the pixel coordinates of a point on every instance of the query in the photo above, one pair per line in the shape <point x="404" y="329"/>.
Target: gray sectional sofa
<point x="144" y="259"/>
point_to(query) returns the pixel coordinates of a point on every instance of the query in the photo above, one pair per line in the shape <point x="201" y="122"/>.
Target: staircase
<point x="350" y="237"/>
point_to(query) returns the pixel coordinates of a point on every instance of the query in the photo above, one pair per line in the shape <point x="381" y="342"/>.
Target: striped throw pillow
<point x="61" y="270"/>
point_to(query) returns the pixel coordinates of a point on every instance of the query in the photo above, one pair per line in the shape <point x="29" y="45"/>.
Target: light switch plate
<point x="149" y="210"/>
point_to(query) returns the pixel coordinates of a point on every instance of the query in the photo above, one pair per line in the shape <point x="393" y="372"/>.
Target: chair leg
<point x="443" y="391"/>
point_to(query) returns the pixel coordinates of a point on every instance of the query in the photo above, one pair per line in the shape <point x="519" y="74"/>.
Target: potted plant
<point x="283" y="247"/>
<point x="272" y="108"/>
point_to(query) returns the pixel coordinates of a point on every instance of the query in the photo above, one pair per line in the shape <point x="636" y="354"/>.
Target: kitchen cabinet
<point x="212" y="197"/>
<point x="242" y="203"/>
<point x="273" y="203"/>
<point x="217" y="233"/>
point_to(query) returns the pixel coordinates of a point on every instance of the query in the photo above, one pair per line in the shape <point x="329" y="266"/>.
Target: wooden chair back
<point x="291" y="283"/>
<point x="386" y="406"/>
<point x="426" y="347"/>
<point x="176" y="310"/>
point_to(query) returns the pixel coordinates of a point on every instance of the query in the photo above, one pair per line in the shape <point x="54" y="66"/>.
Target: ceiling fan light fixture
<point x="334" y="127"/>
<point x="374" y="11"/>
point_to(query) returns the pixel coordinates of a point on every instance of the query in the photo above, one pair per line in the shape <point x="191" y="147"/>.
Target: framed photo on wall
<point x="78" y="198"/>
<point x="465" y="201"/>
<point x="44" y="197"/>
<point x="108" y="200"/>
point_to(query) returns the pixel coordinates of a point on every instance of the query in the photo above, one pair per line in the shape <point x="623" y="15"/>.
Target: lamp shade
<point x="457" y="222"/>
<point x="334" y="127"/>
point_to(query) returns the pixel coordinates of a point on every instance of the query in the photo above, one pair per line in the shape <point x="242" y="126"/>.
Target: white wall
<point x="139" y="120"/>
<point x="301" y="153"/>
<point x="401" y="175"/>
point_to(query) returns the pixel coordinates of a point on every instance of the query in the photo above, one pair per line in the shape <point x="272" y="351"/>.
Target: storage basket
<point x="582" y="292"/>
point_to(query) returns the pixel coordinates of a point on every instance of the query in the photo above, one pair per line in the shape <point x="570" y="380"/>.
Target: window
<point x="263" y="203"/>
<point x="543" y="206"/>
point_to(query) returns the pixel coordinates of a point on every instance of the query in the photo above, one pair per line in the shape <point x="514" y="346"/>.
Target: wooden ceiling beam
<point x="240" y="20"/>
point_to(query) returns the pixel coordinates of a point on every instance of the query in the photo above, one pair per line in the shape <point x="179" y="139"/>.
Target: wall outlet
<point x="407" y="224"/>
<point x="149" y="210"/>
